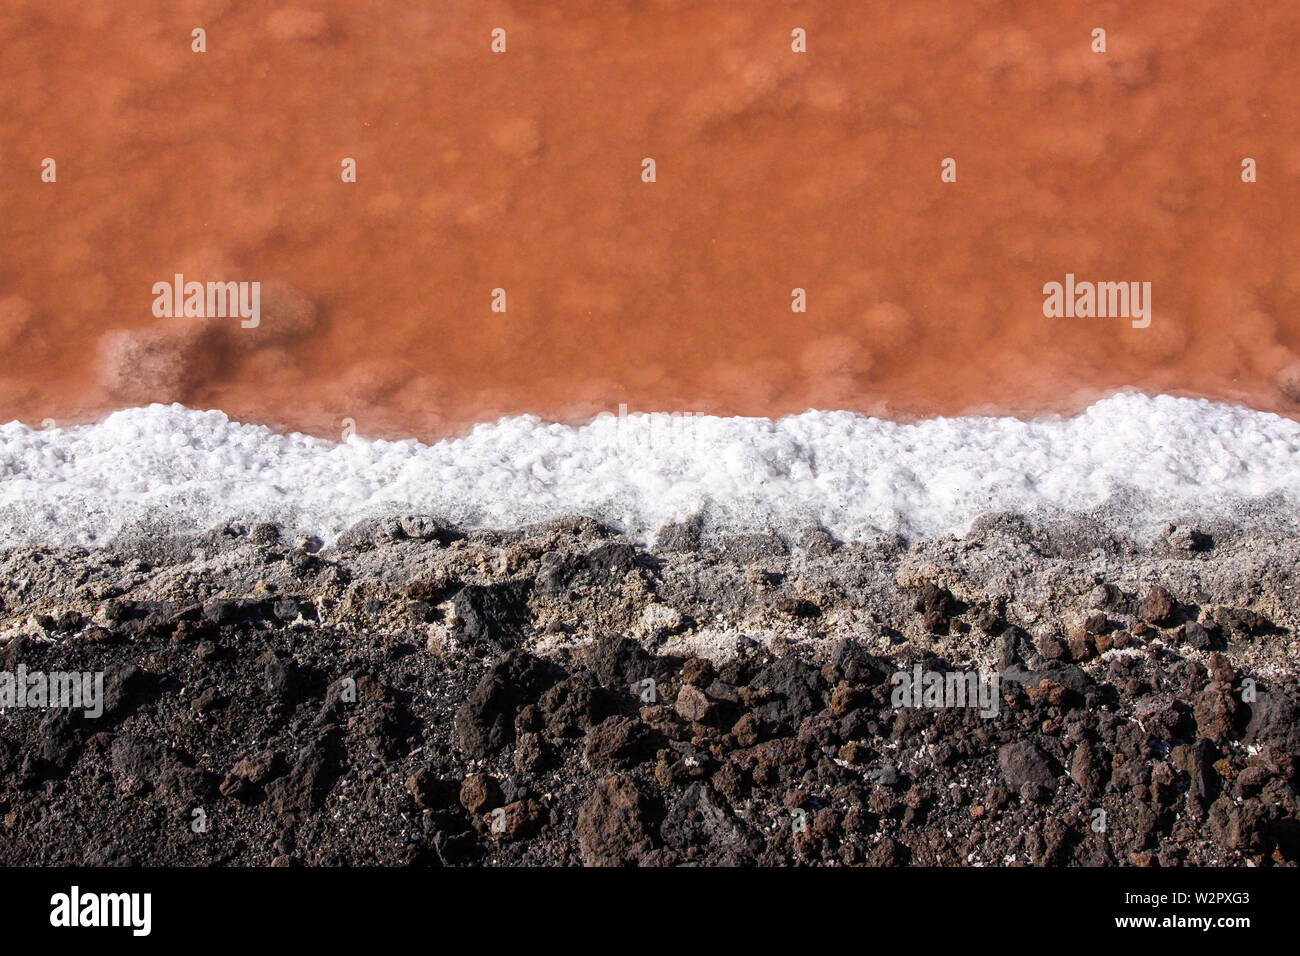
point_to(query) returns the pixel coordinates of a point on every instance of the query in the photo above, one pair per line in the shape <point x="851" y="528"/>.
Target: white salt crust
<point x="1131" y="459"/>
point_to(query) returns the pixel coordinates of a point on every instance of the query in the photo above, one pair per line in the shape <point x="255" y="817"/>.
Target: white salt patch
<point x="1135" y="459"/>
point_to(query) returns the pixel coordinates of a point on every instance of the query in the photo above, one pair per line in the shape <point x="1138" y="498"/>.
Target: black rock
<point x="493" y="616"/>
<point x="1024" y="763"/>
<point x="308" y="781"/>
<point x="559" y="572"/>
<point x="486" y="721"/>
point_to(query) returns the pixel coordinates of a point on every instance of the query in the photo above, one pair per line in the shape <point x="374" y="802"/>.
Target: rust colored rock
<point x="693" y="704"/>
<point x="515" y="821"/>
<point x="1157" y="607"/>
<point x="613" y="829"/>
<point x="479" y="792"/>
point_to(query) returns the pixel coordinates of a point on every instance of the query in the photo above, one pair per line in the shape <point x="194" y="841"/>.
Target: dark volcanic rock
<point x="623" y="663"/>
<point x="314" y="770"/>
<point x="494" y="616"/>
<point x="598" y="566"/>
<point x="574" y="705"/>
<point x="366" y="708"/>
<point x="1024" y="764"/>
<point x="697" y="820"/>
<point x="618" y="743"/>
<point x="796" y="687"/>
<point x="486" y="721"/>
<point x="1274" y="719"/>
<point x="938" y="606"/>
<point x="683" y="536"/>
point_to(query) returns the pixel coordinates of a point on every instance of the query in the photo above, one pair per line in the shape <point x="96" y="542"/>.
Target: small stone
<point x="1186" y="538"/>
<point x="1082" y="647"/>
<point x="1024" y="763"/>
<point x="1196" y="635"/>
<point x="693" y="704"/>
<point x="886" y="775"/>
<point x="1096" y="623"/>
<point x="515" y="821"/>
<point x="265" y="533"/>
<point x="248" y="773"/>
<point x="1103" y="596"/>
<point x="479" y="792"/>
<point x="208" y="699"/>
<point x="798" y="607"/>
<point x="1157" y="607"/>
<point x="420" y="786"/>
<point x="1051" y="647"/>
<point x="746" y="730"/>
<point x="697" y="671"/>
<point x="855" y="753"/>
<point x="844" y="698"/>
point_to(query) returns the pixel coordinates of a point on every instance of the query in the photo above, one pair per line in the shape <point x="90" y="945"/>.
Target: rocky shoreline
<point x="417" y="694"/>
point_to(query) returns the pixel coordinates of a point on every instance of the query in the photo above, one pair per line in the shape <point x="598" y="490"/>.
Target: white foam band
<point x="167" y="468"/>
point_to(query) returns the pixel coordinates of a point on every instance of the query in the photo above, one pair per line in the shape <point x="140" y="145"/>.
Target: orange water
<point x="523" y="171"/>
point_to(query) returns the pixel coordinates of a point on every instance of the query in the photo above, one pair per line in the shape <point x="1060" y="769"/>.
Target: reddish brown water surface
<point x="522" y="171"/>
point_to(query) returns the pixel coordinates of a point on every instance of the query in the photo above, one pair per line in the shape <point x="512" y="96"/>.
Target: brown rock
<point x="1024" y="763"/>
<point x="613" y="829"/>
<point x="1216" y="712"/>
<point x="746" y="730"/>
<point x="515" y="821"/>
<point x="697" y="671"/>
<point x="617" y="743"/>
<point x="1157" y="607"/>
<point x="844" y="698"/>
<point x="1082" y="647"/>
<point x="855" y="753"/>
<point x="1096" y="623"/>
<point x="479" y="792"/>
<point x="420" y="786"/>
<point x="248" y="773"/>
<point x="693" y="704"/>
<point x="1086" y="769"/>
<point x="1051" y="647"/>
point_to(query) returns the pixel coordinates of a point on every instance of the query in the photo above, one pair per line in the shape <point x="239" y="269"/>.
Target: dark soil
<point x="244" y="730"/>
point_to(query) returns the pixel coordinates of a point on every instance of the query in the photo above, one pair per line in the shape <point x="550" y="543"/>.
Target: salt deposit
<point x="1135" y="460"/>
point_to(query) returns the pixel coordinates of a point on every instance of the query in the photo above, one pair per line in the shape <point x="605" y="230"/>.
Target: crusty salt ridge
<point x="1130" y="461"/>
